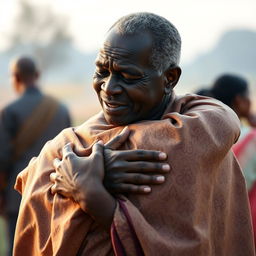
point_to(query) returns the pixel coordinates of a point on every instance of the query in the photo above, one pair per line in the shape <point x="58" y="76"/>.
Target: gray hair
<point x="167" y="41"/>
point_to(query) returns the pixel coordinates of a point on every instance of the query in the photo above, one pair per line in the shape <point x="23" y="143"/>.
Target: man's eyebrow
<point x="128" y="68"/>
<point x="100" y="63"/>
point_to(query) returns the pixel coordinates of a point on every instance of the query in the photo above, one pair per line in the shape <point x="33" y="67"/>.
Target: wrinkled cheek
<point x="96" y="84"/>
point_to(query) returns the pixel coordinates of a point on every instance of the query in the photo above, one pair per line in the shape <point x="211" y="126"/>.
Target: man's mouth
<point x="113" y="107"/>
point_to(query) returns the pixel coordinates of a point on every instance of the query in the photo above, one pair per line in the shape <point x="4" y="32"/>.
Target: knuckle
<point x="116" y="166"/>
<point x="96" y="154"/>
<point x="140" y="152"/>
<point x="132" y="189"/>
<point x="141" y="166"/>
<point x="117" y="178"/>
<point x="138" y="178"/>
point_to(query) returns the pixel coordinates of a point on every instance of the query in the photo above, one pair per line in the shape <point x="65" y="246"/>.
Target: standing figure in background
<point x="25" y="126"/>
<point x="233" y="90"/>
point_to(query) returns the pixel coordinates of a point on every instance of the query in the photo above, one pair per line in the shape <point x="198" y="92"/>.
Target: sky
<point x="200" y="22"/>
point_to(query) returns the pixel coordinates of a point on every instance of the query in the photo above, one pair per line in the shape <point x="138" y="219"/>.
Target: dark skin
<point x="132" y="171"/>
<point x="24" y="74"/>
<point x="73" y="171"/>
<point x="129" y="89"/>
<point x="242" y="106"/>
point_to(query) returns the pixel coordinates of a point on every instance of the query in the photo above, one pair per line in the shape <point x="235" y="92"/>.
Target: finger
<point x="119" y="139"/>
<point x="147" y="167"/>
<point x="139" y="179"/>
<point x="54" y="189"/>
<point x="56" y="163"/>
<point x="142" y="155"/>
<point x="97" y="149"/>
<point x="129" y="189"/>
<point x="141" y="167"/>
<point x="67" y="151"/>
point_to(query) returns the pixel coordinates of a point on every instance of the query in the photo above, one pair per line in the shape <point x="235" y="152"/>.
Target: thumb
<point x="67" y="150"/>
<point x="98" y="149"/>
<point x="119" y="139"/>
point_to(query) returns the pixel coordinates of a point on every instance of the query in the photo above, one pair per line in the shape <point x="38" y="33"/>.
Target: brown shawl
<point x="201" y="209"/>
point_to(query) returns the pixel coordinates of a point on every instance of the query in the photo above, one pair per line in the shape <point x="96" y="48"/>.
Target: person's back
<point x="25" y="126"/>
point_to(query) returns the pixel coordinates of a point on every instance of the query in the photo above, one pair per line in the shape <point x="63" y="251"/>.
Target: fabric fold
<point x="201" y="209"/>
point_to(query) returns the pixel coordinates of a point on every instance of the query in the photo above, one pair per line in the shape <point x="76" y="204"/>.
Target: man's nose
<point x="111" y="85"/>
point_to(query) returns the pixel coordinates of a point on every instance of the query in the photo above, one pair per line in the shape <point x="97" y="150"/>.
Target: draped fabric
<point x="201" y="209"/>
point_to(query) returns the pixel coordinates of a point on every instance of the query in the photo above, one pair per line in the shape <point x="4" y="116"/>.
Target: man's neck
<point x="159" y="111"/>
<point x="25" y="87"/>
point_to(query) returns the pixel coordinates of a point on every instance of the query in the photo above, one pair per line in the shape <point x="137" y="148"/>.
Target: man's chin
<point x="116" y="120"/>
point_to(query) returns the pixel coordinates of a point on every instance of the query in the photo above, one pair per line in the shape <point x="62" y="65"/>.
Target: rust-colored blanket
<point x="201" y="209"/>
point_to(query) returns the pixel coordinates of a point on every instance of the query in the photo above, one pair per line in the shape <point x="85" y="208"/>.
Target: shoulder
<point x="197" y="104"/>
<point x="10" y="110"/>
<point x="186" y="102"/>
<point x="210" y="115"/>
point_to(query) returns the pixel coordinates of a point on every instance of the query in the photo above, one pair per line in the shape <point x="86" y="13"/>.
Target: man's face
<point x="243" y="105"/>
<point x="128" y="87"/>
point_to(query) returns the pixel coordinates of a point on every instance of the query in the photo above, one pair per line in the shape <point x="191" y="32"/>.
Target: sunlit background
<point x="218" y="36"/>
<point x="63" y="36"/>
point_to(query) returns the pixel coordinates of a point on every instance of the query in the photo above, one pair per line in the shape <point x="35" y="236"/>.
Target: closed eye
<point x="129" y="76"/>
<point x="102" y="72"/>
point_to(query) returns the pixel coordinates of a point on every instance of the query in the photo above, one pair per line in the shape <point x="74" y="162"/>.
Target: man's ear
<point x="172" y="75"/>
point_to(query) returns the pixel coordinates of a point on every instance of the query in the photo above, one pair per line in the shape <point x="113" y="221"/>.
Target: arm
<point x="185" y="215"/>
<point x="82" y="179"/>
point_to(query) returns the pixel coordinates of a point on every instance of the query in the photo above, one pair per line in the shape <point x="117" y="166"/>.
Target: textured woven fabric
<point x="201" y="210"/>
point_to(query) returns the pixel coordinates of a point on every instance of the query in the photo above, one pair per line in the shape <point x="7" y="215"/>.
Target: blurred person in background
<point x="203" y="91"/>
<point x="233" y="90"/>
<point x="25" y="126"/>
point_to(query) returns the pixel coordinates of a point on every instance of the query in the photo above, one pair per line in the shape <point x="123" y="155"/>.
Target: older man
<point x="120" y="198"/>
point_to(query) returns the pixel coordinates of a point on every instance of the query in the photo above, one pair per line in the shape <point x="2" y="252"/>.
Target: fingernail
<point x="146" y="189"/>
<point x="162" y="156"/>
<point x="166" y="167"/>
<point x="160" y="178"/>
<point x="100" y="142"/>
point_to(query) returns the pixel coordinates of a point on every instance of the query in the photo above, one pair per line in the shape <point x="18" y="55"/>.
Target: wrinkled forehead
<point x="134" y="47"/>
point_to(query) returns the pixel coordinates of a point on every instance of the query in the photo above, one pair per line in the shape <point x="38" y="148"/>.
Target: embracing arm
<point x="81" y="178"/>
<point x="185" y="215"/>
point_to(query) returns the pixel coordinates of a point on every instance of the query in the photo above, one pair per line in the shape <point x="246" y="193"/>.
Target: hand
<point x="75" y="176"/>
<point x="81" y="179"/>
<point x="132" y="171"/>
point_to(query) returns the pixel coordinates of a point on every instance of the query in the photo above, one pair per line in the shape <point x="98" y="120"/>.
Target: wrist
<point x="100" y="205"/>
<point x="89" y="195"/>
